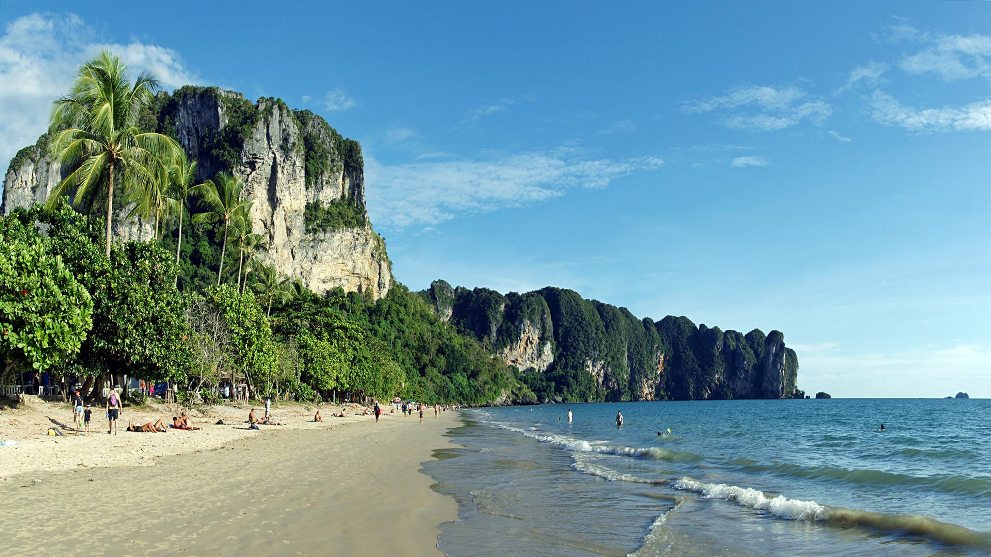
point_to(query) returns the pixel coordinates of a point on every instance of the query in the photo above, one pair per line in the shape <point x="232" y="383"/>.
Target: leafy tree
<point x="250" y="335"/>
<point x="44" y="312"/>
<point x="95" y="131"/>
<point x="222" y="198"/>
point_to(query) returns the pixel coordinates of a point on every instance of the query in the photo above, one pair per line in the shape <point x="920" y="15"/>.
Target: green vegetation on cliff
<point x="601" y="352"/>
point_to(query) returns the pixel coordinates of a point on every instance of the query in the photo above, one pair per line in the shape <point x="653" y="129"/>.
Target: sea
<point x="733" y="478"/>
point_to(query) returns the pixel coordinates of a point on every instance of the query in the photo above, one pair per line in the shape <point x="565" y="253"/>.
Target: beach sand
<point x="345" y="486"/>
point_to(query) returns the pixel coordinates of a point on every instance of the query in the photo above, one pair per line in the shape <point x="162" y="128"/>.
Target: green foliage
<point x="253" y="348"/>
<point x="44" y="312"/>
<point x="242" y="116"/>
<point x="320" y="217"/>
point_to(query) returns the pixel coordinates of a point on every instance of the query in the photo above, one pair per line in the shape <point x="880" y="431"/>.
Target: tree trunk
<point x="240" y="265"/>
<point x="270" y="296"/>
<point x="223" y="252"/>
<point x="110" y="204"/>
<point x="178" y="245"/>
<point x="96" y="392"/>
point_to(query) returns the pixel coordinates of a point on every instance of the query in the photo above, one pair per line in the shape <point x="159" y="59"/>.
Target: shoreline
<point x="306" y="489"/>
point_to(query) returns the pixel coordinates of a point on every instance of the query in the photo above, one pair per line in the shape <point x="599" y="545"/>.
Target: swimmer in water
<point x="619" y="419"/>
<point x="570" y="417"/>
<point x="882" y="427"/>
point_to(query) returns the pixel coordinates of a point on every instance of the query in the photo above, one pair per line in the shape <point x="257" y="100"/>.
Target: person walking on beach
<point x="619" y="419"/>
<point x="113" y="411"/>
<point x="419" y="407"/>
<point x="77" y="410"/>
<point x="378" y="411"/>
<point x="87" y="416"/>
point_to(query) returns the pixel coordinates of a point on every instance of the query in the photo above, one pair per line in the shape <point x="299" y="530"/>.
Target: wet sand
<point x="349" y="490"/>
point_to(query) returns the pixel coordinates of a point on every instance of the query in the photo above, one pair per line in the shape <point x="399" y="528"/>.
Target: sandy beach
<point x="346" y="485"/>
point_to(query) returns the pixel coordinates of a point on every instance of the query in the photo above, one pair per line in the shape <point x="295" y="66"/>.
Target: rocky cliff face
<point x="296" y="170"/>
<point x="569" y="346"/>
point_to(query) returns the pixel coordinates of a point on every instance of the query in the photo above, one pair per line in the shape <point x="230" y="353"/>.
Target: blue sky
<point x="818" y="168"/>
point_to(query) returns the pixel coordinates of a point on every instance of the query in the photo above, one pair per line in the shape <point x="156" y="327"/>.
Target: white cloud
<point x="621" y="127"/>
<point x="474" y="115"/>
<point x="426" y="193"/>
<point x="39" y="57"/>
<point x="337" y="100"/>
<point x="744" y="162"/>
<point x="763" y="108"/>
<point x="839" y="137"/>
<point x="951" y="57"/>
<point x="869" y="75"/>
<point x="398" y="135"/>
<point x="888" y="111"/>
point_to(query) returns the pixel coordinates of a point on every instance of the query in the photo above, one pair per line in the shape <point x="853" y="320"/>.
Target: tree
<point x="44" y="312"/>
<point x="95" y="132"/>
<point x="222" y="197"/>
<point x="247" y="243"/>
<point x="269" y="287"/>
<point x="182" y="173"/>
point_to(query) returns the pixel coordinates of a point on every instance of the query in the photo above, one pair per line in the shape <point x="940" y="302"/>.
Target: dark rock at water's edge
<point x="962" y="395"/>
<point x="570" y="348"/>
<point x="799" y="393"/>
<point x="823" y="394"/>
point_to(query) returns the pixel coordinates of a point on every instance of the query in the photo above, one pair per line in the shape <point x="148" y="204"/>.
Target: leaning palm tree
<point x="182" y="173"/>
<point x="95" y="133"/>
<point x="222" y="197"/>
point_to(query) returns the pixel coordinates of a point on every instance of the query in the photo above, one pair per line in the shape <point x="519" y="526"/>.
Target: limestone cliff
<point x="569" y="347"/>
<point x="299" y="174"/>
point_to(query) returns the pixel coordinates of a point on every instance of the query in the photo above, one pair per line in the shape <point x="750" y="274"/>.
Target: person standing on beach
<point x="77" y="410"/>
<point x="113" y="411"/>
<point x="268" y="407"/>
<point x="87" y="416"/>
<point x="378" y="410"/>
<point x="420" y="408"/>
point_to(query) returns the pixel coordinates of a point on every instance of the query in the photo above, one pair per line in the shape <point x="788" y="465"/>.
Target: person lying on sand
<point x="267" y="421"/>
<point x="317" y="417"/>
<point x="157" y="427"/>
<point x="178" y="423"/>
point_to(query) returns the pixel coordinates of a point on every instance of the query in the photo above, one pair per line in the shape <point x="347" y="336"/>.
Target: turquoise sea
<point x="735" y="478"/>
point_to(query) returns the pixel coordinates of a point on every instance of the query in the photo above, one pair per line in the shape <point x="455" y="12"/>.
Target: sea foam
<point x="780" y="506"/>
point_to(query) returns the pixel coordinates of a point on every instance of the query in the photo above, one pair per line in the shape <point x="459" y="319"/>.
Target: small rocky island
<point x="823" y="394"/>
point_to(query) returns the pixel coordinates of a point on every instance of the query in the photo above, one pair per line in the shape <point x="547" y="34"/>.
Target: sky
<point x="823" y="169"/>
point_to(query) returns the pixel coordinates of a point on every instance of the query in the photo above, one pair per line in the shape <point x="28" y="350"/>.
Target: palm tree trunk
<point x="178" y="245"/>
<point x="110" y="205"/>
<point x="240" y="265"/>
<point x="223" y="252"/>
<point x="270" y="296"/>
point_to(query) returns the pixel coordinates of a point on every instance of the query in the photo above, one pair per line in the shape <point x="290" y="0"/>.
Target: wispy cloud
<point x="949" y="57"/>
<point x="337" y="100"/>
<point x="745" y="162"/>
<point x="475" y="114"/>
<point x="886" y="110"/>
<point x="869" y="74"/>
<point x="839" y="137"/>
<point x="621" y="127"/>
<point x="398" y="135"/>
<point x="427" y="193"/>
<point x="763" y="107"/>
<point x="39" y="56"/>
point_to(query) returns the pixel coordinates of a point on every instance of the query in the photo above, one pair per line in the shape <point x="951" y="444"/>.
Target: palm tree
<point x="95" y="132"/>
<point x="222" y="196"/>
<point x="182" y="173"/>
<point x="247" y="243"/>
<point x="152" y="202"/>
<point x="269" y="286"/>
